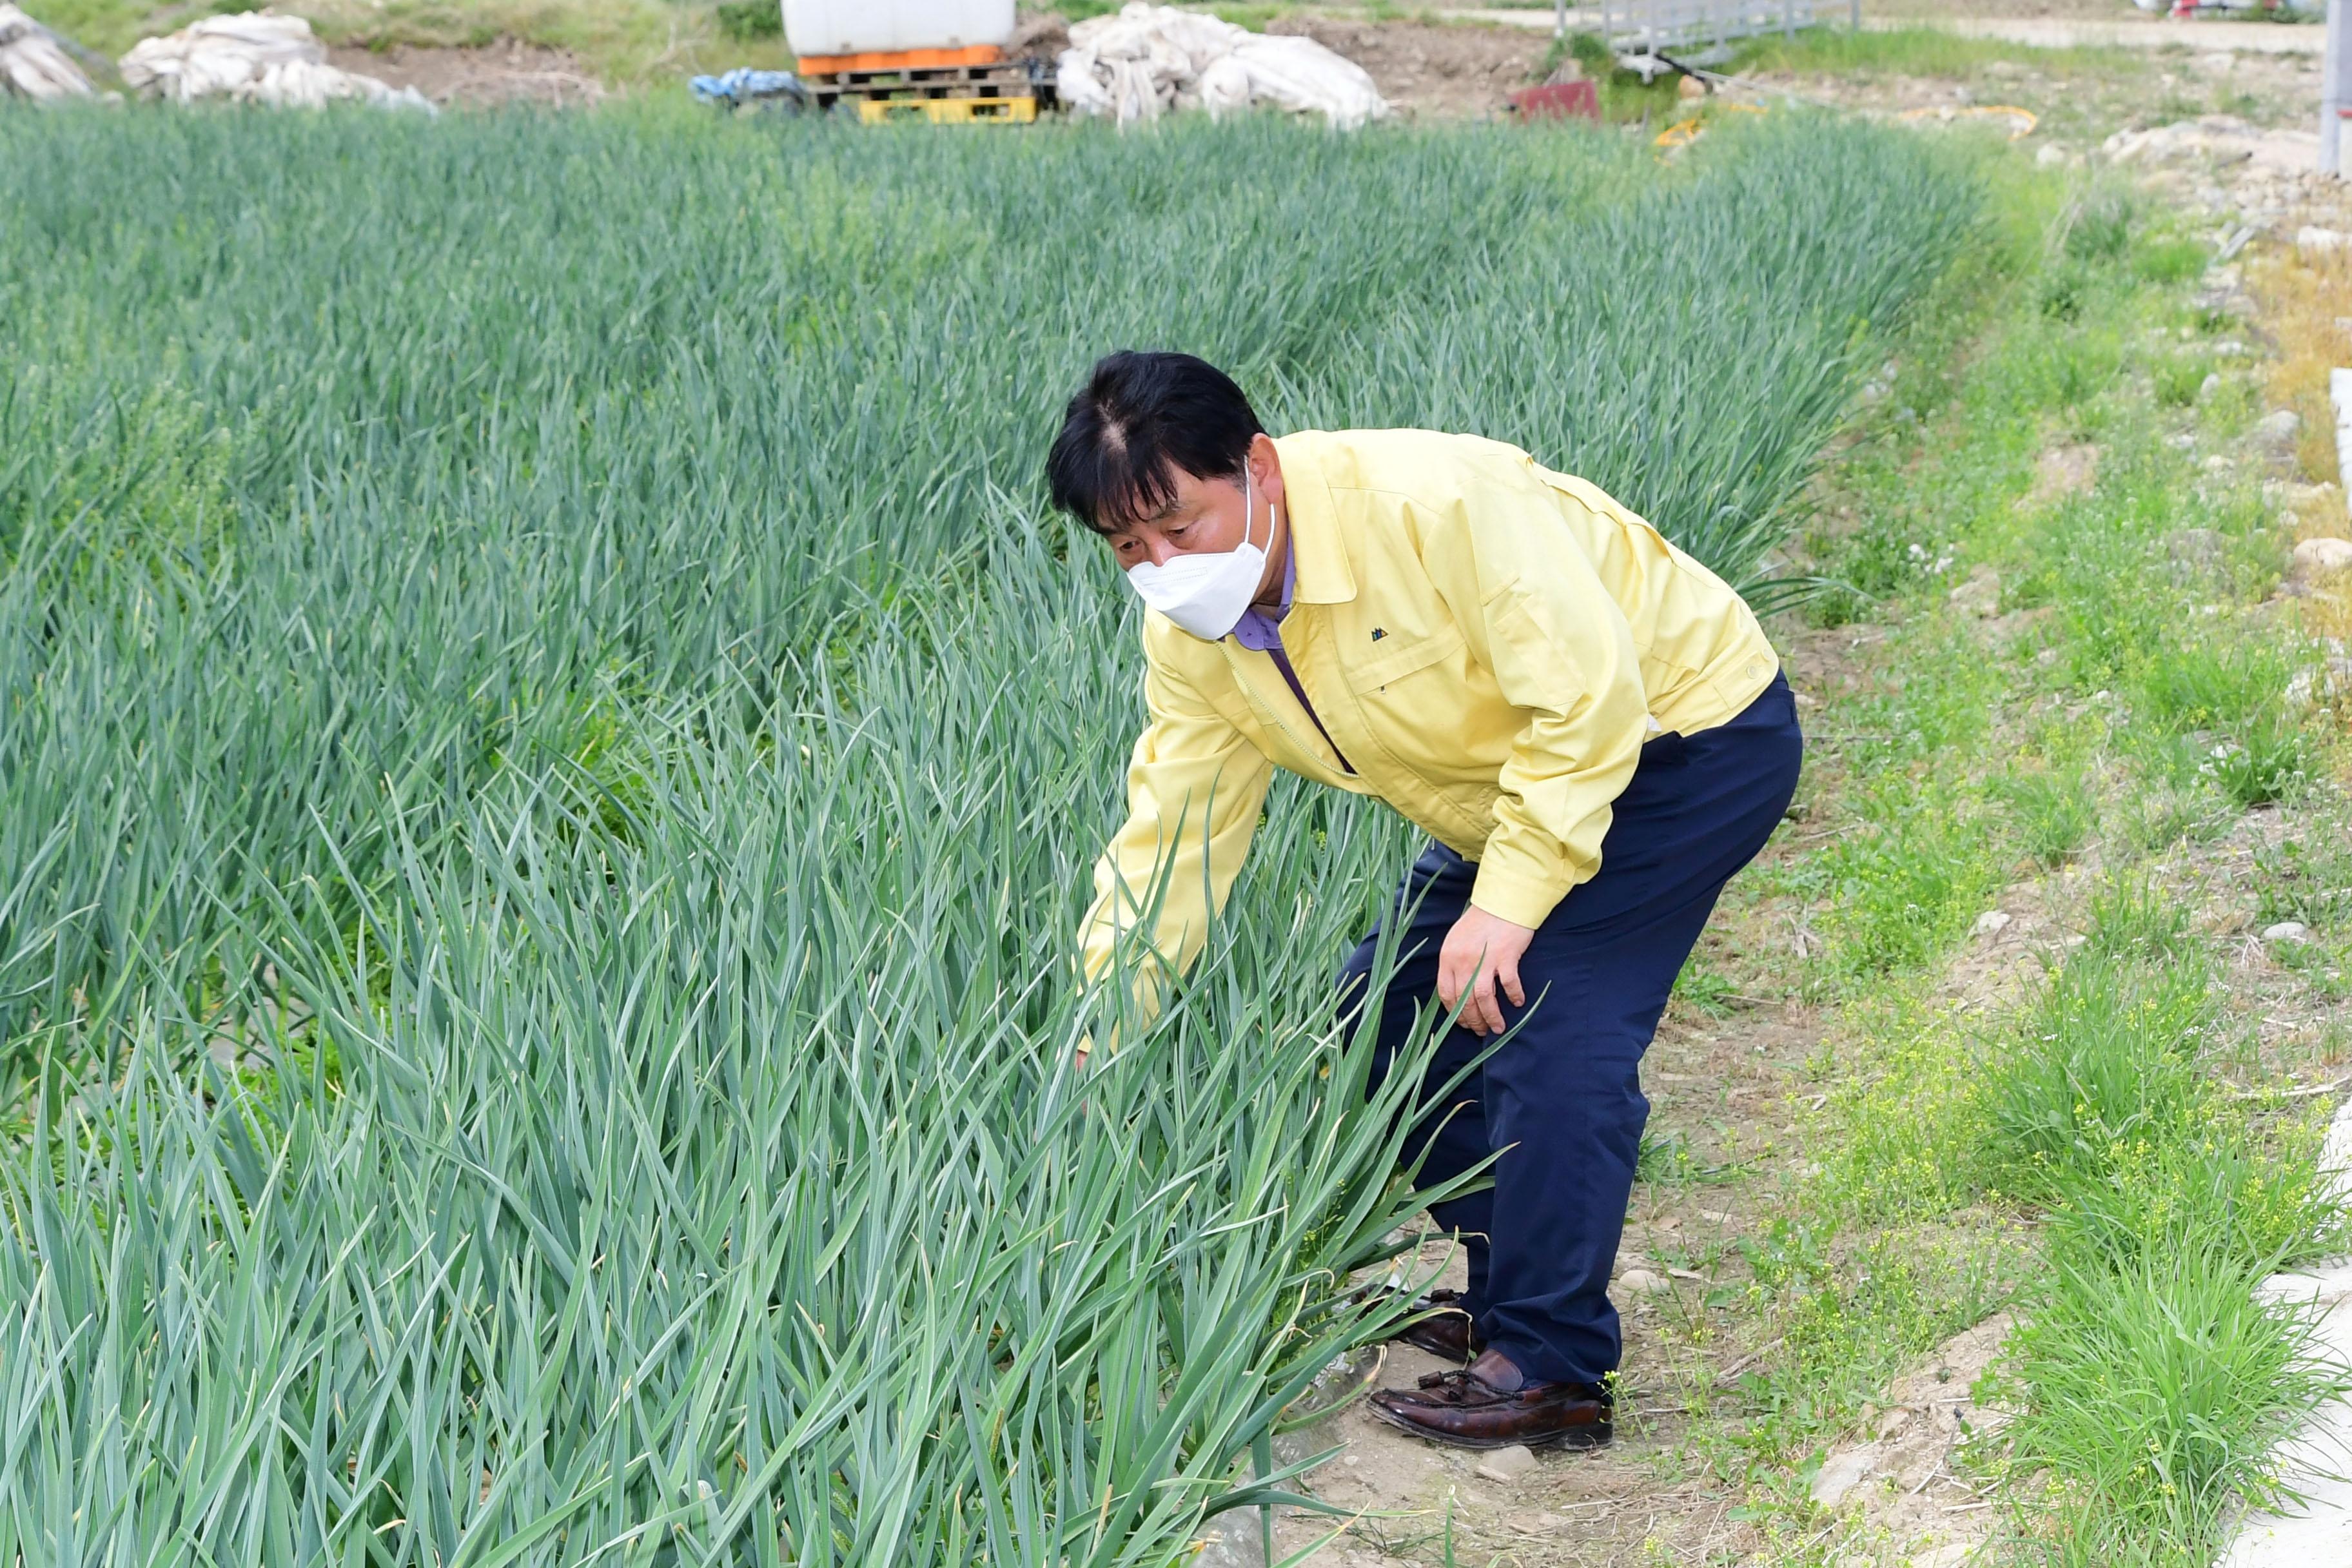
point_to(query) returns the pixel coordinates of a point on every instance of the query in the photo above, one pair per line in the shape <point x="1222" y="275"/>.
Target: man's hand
<point x="1477" y="936"/>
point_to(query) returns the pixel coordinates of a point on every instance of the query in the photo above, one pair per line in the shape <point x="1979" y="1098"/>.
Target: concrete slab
<point x="2319" y="1459"/>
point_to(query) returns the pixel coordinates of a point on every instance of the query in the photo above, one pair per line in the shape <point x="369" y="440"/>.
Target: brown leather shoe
<point x="1489" y="1406"/>
<point x="1447" y="1332"/>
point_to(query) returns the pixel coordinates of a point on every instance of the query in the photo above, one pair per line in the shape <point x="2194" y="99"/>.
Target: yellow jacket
<point x="1485" y="640"/>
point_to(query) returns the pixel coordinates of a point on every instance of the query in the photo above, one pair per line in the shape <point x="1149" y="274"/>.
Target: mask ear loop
<point x="1249" y="511"/>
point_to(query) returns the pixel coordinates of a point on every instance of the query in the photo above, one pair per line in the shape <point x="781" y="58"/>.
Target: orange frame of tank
<point x="901" y="59"/>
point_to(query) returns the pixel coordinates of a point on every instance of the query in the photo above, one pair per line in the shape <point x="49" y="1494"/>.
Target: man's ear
<point x="1265" y="468"/>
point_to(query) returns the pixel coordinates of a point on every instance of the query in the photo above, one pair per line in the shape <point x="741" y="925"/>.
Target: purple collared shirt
<point x="1262" y="633"/>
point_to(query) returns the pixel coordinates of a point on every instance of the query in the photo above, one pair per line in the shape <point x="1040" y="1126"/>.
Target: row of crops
<point x="550" y="757"/>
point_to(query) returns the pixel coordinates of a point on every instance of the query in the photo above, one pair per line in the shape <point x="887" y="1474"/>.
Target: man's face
<point x="1204" y="516"/>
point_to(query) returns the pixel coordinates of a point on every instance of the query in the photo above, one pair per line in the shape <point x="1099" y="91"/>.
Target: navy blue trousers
<point x="1563" y="1098"/>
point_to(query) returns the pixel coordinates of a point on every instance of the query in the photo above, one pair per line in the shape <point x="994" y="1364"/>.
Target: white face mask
<point x="1206" y="592"/>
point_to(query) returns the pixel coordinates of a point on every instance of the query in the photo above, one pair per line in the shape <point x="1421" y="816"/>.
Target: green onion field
<point x="551" y="752"/>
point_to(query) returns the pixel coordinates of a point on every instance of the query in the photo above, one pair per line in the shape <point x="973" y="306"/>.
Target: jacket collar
<point x="1324" y="575"/>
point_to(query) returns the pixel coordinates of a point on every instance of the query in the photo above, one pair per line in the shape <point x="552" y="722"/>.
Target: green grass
<point x="2105" y="1065"/>
<point x="549" y="627"/>
<point x="2139" y="710"/>
<point x="2153" y="1397"/>
<point x="2306" y="879"/>
<point x="2152" y="1384"/>
<point x="2054" y="814"/>
<point x="1902" y="51"/>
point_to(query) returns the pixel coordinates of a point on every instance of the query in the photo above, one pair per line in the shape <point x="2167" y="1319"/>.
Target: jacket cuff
<point x="1513" y="895"/>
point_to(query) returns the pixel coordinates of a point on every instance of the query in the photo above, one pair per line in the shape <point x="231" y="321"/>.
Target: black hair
<point x="1141" y="419"/>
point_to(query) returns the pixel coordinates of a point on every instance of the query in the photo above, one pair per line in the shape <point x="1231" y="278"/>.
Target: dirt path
<point x="1722" y="1090"/>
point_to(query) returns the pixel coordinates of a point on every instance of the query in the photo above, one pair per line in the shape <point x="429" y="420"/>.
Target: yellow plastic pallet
<point x="948" y="110"/>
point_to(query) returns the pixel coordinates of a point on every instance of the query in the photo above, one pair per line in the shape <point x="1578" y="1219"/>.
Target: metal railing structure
<point x="1701" y="32"/>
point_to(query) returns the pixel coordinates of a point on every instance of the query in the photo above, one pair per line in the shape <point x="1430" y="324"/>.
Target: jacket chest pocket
<point x="1370" y="677"/>
<point x="1412" y="702"/>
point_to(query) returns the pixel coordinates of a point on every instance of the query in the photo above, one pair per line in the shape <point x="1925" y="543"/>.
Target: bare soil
<point x="1444" y="72"/>
<point x="1906" y="1478"/>
<point x="504" y="72"/>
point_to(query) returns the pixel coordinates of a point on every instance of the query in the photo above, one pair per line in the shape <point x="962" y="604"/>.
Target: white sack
<point x="254" y="57"/>
<point x="33" y="64"/>
<point x="1149" y="60"/>
<point x="1298" y="74"/>
<point x="1226" y="86"/>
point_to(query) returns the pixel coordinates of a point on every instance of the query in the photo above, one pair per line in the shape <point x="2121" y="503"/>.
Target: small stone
<point x="2331" y="679"/>
<point x="2193" y="550"/>
<point x="1952" y="1554"/>
<point x="1642" y="1282"/>
<point x="1690" y="88"/>
<point x="2315" y="556"/>
<point x="2209" y="386"/>
<point x="2296" y="497"/>
<point x="1980" y="596"/>
<point x="1507" y="1465"/>
<point x="1993" y="923"/>
<point x="2287" y="930"/>
<point x="2049" y="156"/>
<point x="2278" y="428"/>
<point x="2312" y="237"/>
<point x="1841" y="1473"/>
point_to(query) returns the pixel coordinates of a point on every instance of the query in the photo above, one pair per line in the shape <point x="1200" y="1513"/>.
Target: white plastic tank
<point x="876" y="26"/>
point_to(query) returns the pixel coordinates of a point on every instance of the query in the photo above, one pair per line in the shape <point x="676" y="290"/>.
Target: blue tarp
<point x="743" y="85"/>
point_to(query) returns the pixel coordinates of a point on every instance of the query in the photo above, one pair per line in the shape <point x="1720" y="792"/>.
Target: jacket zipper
<point x="1290" y="678"/>
<point x="1312" y="717"/>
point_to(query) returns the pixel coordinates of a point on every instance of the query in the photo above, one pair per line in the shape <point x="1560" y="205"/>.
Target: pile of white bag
<point x="1150" y="59"/>
<point x="33" y="64"/>
<point x="254" y="57"/>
